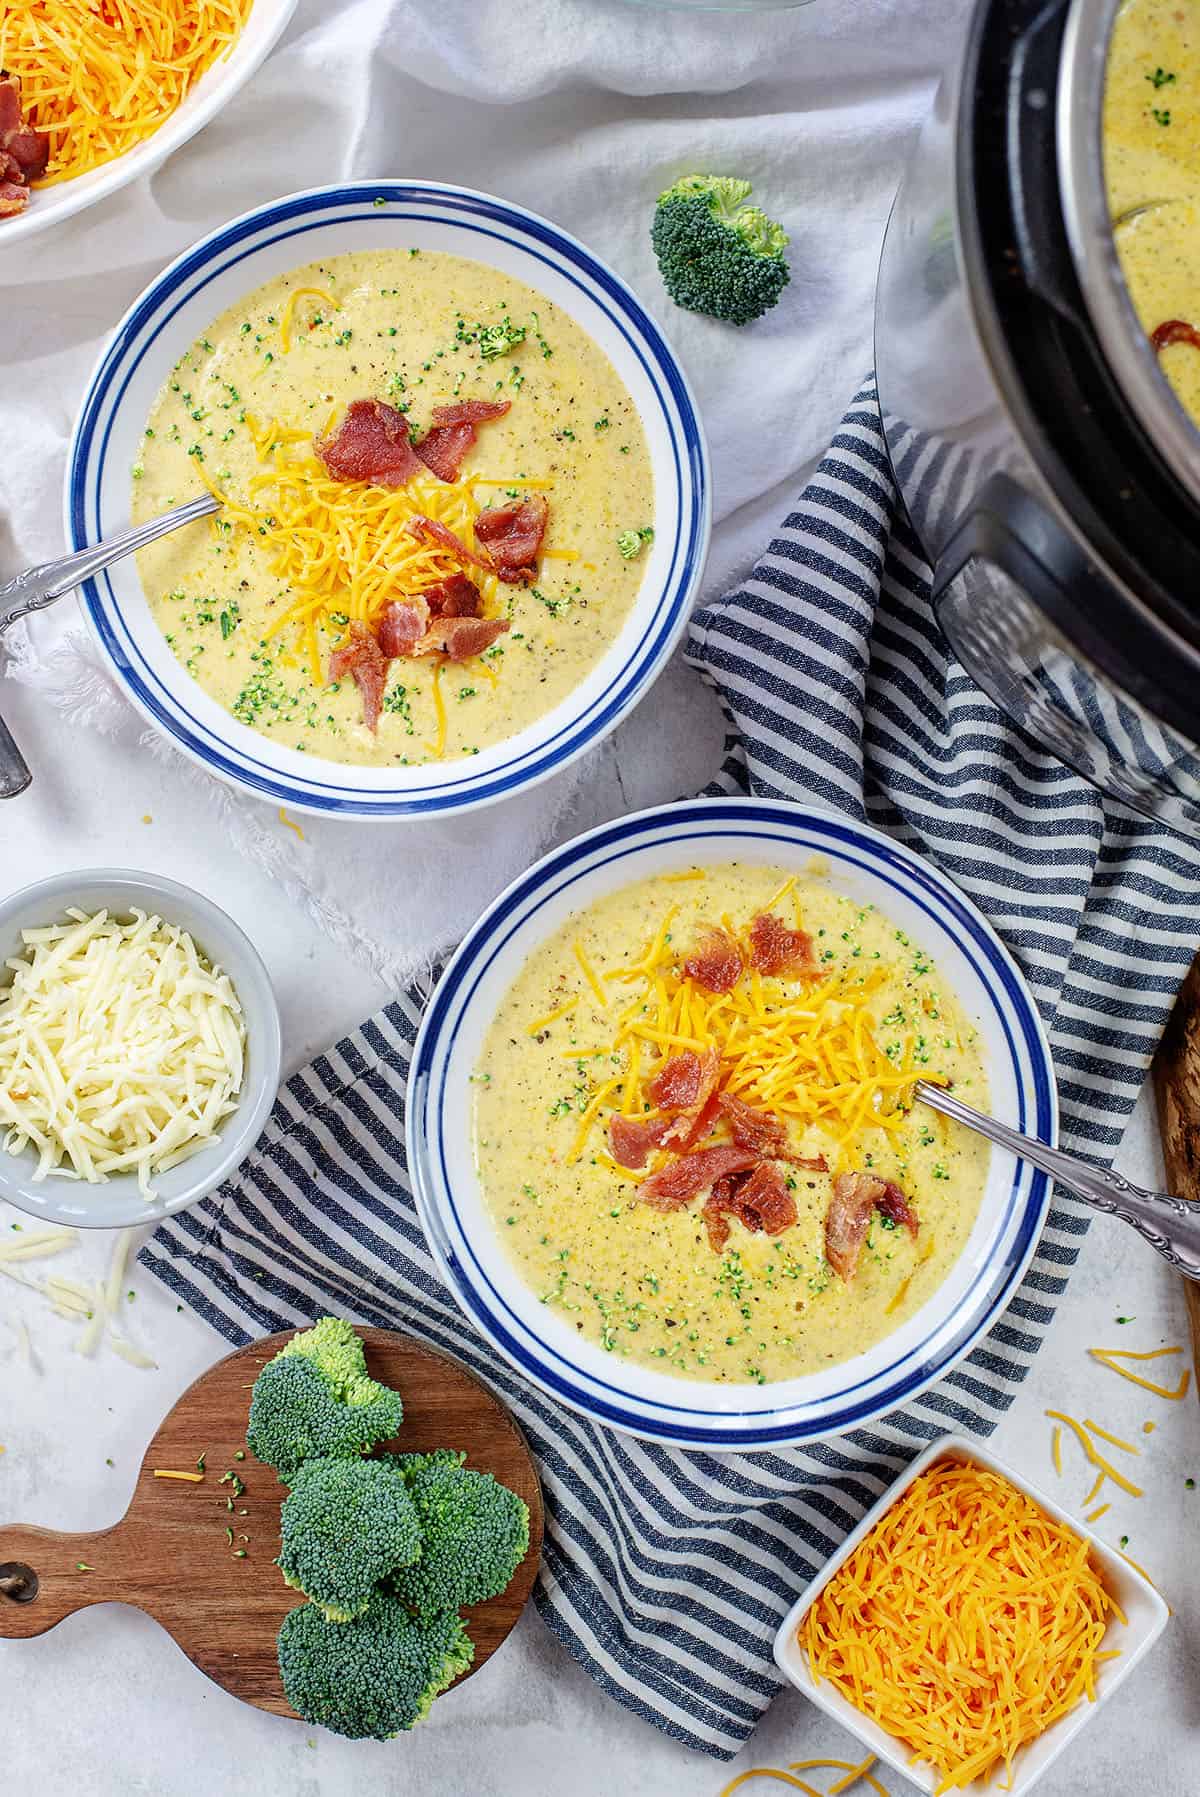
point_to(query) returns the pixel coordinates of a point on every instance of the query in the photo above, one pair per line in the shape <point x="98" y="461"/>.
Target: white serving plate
<point x="49" y="206"/>
<point x="329" y="221"/>
<point x="863" y="863"/>
<point x="1145" y="1611"/>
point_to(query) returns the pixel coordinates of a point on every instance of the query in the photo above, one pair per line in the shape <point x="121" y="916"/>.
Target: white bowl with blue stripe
<point x="221" y="269"/>
<point x="863" y="864"/>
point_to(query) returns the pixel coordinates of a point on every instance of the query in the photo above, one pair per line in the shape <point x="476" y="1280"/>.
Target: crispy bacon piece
<point x="774" y="949"/>
<point x="894" y="1205"/>
<point x="365" y="662"/>
<point x="765" y="1134"/>
<point x="24" y="152"/>
<point x="676" y="1086"/>
<point x="1174" y="330"/>
<point x="512" y="535"/>
<point x="444" y="447"/>
<point x="684" y="1087"/>
<point x="403" y="625"/>
<point x="811" y="1163"/>
<point x="371" y="444"/>
<point x="855" y="1196"/>
<point x="716" y="961"/>
<point x="457" y="597"/>
<point x="431" y="530"/>
<point x="631" y="1139"/>
<point x="461" y="638"/>
<point x="764" y="1202"/>
<point x="716" y="1220"/>
<point x="673" y="1185"/>
<point x="471" y="411"/>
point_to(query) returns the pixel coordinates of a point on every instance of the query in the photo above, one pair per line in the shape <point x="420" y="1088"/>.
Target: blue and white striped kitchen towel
<point x="666" y="1573"/>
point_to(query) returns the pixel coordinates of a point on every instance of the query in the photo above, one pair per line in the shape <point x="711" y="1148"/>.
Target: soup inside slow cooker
<point x="1152" y="166"/>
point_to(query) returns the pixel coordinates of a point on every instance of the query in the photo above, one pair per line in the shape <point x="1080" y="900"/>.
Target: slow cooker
<point x="1050" y="474"/>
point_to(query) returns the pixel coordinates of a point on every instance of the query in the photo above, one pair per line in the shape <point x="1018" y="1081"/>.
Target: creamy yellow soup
<point x="1152" y="162"/>
<point x="404" y="327"/>
<point x="647" y="1285"/>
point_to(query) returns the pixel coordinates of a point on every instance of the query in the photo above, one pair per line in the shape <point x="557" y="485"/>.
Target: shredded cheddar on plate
<point x="965" y="1623"/>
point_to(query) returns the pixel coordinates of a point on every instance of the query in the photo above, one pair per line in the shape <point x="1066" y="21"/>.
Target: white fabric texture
<point x="583" y="110"/>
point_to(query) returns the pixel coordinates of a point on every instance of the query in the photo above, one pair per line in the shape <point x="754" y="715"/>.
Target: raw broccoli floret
<point x="374" y="1676"/>
<point x="317" y="1398"/>
<point x="474" y="1533"/>
<point x="716" y="254"/>
<point x="346" y="1525"/>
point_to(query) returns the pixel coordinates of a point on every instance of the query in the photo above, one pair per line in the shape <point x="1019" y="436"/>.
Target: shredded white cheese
<point x="96" y="1305"/>
<point x="121" y="1049"/>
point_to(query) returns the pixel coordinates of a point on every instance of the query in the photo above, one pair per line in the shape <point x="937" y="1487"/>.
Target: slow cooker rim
<point x="1170" y="691"/>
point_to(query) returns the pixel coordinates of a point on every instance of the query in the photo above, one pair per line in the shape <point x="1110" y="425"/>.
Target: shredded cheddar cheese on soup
<point x="965" y="1623"/>
<point x="101" y="76"/>
<point x="344" y="549"/>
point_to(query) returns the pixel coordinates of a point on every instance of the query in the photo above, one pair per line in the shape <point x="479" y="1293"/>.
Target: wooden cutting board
<point x="170" y="1554"/>
<point x="1177" y="1090"/>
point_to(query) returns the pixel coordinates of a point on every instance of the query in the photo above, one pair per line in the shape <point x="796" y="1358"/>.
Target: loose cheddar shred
<point x="965" y="1623"/>
<point x="854" y="1775"/>
<point x="188" y="1478"/>
<point x="1105" y="1467"/>
<point x="101" y="78"/>
<point x="1112" y="1357"/>
<point x="540" y="1023"/>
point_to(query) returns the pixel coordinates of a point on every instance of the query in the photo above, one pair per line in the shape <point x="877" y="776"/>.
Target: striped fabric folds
<point x="666" y="1573"/>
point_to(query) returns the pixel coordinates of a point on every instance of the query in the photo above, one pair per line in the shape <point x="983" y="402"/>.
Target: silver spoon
<point x="1171" y="1225"/>
<point x="38" y="587"/>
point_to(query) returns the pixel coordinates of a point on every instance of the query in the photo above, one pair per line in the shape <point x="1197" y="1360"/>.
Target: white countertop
<point x="106" y="1705"/>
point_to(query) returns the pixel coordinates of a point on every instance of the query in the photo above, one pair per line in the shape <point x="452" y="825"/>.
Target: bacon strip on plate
<point x="370" y="444"/>
<point x="24" y="152"/>
<point x="512" y="535"/>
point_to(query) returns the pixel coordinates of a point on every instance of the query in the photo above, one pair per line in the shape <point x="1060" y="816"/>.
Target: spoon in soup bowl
<point x="1170" y="1225"/>
<point x="39" y="587"/>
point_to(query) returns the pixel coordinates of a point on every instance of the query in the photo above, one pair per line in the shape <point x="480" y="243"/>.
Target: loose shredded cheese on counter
<point x="1111" y="1358"/>
<point x="102" y="78"/>
<point x="121" y="1050"/>
<point x="965" y="1623"/>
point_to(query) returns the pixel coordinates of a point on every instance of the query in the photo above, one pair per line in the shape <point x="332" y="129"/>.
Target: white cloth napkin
<point x="583" y="110"/>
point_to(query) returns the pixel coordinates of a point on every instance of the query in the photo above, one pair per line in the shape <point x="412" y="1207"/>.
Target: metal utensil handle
<point x="1170" y="1225"/>
<point x="41" y="586"/>
<point x="14" y="769"/>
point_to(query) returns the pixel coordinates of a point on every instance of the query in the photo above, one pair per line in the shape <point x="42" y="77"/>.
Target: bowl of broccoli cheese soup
<point x="463" y="499"/>
<point x="662" y="1134"/>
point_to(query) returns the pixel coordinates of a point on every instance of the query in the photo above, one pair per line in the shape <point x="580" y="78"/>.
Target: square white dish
<point x="1145" y="1610"/>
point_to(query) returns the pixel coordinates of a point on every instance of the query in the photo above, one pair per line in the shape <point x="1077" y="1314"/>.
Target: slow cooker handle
<point x="1041" y="243"/>
<point x="1007" y="527"/>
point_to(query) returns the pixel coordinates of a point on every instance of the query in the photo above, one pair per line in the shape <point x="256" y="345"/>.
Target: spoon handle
<point x="1170" y="1225"/>
<point x="41" y="586"/>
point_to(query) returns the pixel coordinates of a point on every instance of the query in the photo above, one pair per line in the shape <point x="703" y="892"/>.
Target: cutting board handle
<point x="45" y="1575"/>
